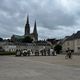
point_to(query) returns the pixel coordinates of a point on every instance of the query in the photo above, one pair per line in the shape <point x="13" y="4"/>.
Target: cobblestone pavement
<point x="39" y="68"/>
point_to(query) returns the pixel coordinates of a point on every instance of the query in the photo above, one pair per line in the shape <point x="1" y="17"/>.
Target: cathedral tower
<point x="27" y="27"/>
<point x="35" y="32"/>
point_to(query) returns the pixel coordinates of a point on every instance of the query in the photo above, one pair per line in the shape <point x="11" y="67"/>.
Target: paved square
<point x="39" y="68"/>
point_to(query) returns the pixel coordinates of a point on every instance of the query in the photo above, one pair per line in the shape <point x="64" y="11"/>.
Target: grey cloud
<point x="48" y="14"/>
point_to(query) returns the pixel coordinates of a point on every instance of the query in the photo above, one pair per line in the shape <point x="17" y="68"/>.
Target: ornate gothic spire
<point x="27" y="20"/>
<point x="35" y="31"/>
<point x="35" y="28"/>
<point x="27" y="27"/>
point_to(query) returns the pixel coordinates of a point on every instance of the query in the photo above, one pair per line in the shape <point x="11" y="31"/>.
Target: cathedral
<point x="33" y="35"/>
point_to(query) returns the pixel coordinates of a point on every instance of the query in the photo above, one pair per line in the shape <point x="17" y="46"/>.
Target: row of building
<point x="15" y="42"/>
<point x="72" y="42"/>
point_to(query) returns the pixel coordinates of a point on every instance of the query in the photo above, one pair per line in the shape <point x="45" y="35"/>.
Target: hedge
<point x="7" y="53"/>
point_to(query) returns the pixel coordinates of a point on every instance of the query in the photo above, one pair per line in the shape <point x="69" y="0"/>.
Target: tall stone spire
<point x="35" y="31"/>
<point x="27" y="27"/>
<point x="27" y="19"/>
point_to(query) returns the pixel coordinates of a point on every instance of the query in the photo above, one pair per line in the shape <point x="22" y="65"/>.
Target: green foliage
<point x="58" y="48"/>
<point x="1" y="39"/>
<point x="27" y="39"/>
<point x="7" y="53"/>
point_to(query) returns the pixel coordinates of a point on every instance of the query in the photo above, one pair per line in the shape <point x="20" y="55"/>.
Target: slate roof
<point x="74" y="36"/>
<point x="18" y="37"/>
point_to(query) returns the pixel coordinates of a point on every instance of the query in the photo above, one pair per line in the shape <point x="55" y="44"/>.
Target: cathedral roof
<point x="18" y="36"/>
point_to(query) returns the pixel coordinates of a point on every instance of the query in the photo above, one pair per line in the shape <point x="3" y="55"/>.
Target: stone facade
<point x="72" y="42"/>
<point x="12" y="47"/>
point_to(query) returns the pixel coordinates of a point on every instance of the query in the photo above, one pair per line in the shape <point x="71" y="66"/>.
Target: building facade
<point x="72" y="42"/>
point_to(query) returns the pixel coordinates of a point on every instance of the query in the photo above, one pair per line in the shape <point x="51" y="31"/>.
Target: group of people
<point x="48" y="52"/>
<point x="23" y="52"/>
<point x="42" y="52"/>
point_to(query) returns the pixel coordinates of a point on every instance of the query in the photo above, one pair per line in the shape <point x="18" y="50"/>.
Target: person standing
<point x="69" y="53"/>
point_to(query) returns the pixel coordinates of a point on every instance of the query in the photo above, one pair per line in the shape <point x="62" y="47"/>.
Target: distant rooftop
<point x="74" y="36"/>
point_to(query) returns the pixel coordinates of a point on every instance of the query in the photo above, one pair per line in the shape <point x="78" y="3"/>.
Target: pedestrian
<point x="69" y="53"/>
<point x="48" y="51"/>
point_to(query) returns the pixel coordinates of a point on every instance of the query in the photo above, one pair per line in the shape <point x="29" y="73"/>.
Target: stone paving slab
<point x="36" y="68"/>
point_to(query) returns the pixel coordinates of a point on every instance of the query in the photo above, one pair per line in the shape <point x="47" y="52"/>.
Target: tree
<point x="58" y="48"/>
<point x="27" y="39"/>
<point x="1" y="39"/>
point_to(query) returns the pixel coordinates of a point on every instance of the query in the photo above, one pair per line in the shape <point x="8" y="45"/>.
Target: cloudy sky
<point x="55" y="18"/>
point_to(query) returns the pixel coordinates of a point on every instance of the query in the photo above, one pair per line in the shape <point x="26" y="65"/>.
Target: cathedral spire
<point x="27" y="27"/>
<point x="27" y="19"/>
<point x="35" y="31"/>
